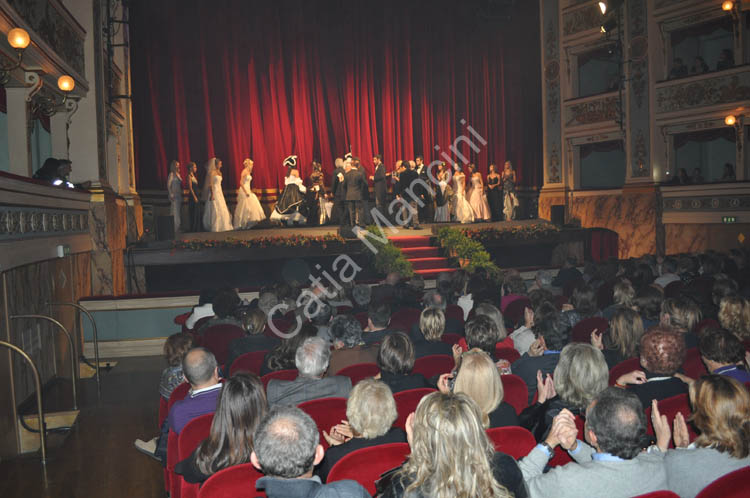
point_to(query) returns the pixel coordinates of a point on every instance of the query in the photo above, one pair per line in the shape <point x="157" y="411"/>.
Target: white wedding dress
<point x="216" y="217"/>
<point x="464" y="213"/>
<point x="248" y="211"/>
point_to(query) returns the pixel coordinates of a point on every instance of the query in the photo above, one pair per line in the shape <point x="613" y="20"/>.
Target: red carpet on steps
<point x="424" y="258"/>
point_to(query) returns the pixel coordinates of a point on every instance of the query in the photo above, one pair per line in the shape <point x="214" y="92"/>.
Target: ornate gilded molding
<point x="580" y="20"/>
<point x="708" y="203"/>
<point x="724" y="89"/>
<point x="47" y="22"/>
<point x="27" y="222"/>
<point x="594" y="111"/>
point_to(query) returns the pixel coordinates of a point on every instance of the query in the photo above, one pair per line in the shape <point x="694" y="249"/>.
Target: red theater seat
<point x="188" y="440"/>
<point x="514" y="441"/>
<point x="217" y="338"/>
<point x="434" y="364"/>
<point x="693" y="366"/>
<point x="248" y="362"/>
<point x="622" y="368"/>
<point x="732" y="485"/>
<point x="582" y="330"/>
<point x="235" y="482"/>
<point x="179" y="393"/>
<point x="406" y="403"/>
<point x="359" y="371"/>
<point x="326" y="412"/>
<point x="515" y="392"/>
<point x="290" y="374"/>
<point x="367" y="465"/>
<point x="404" y="318"/>
<point x="515" y="310"/>
<point x="659" y="494"/>
<point x="670" y="407"/>
<point x="504" y="353"/>
<point x="450" y="338"/>
<point x="454" y="311"/>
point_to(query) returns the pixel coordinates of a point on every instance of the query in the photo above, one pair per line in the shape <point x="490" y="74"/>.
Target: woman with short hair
<point x="734" y="315"/>
<point x="396" y="361"/>
<point x="370" y="413"/>
<point x="451" y="455"/>
<point x="476" y="376"/>
<point x="721" y="412"/>
<point x="431" y="328"/>
<point x="240" y="408"/>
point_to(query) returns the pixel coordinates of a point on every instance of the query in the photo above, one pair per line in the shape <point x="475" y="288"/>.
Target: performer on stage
<point x="338" y="192"/>
<point x="355" y="186"/>
<point x="317" y="196"/>
<point x="443" y="198"/>
<point x="290" y="208"/>
<point x="248" y="211"/>
<point x="494" y="195"/>
<point x="379" y="183"/>
<point x="194" y="202"/>
<point x="462" y="209"/>
<point x="426" y="212"/>
<point x="216" y="217"/>
<point x="174" y="187"/>
<point x="477" y="197"/>
<point x="510" y="199"/>
<point x="406" y="191"/>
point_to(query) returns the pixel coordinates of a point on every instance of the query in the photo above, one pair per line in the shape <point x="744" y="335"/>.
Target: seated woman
<point x="254" y="322"/>
<point x="584" y="305"/>
<point x="452" y="456"/>
<point x="370" y="413"/>
<point x="662" y="355"/>
<point x="175" y="348"/>
<point x="476" y="376"/>
<point x="648" y="304"/>
<point x="580" y="375"/>
<point x="240" y="407"/>
<point x="431" y="327"/>
<point x="282" y="357"/>
<point x="396" y="361"/>
<point x="681" y="315"/>
<point x="491" y="311"/>
<point x="721" y="412"/>
<point x="622" y="339"/>
<point x="291" y="207"/>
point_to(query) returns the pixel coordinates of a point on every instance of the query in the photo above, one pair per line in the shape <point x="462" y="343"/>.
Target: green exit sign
<point x="729" y="219"/>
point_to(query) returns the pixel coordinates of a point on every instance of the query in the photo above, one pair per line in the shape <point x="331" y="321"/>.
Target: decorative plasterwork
<point x="593" y="111"/>
<point x="708" y="203"/>
<point x="723" y="89"/>
<point x="26" y="222"/>
<point x="580" y="20"/>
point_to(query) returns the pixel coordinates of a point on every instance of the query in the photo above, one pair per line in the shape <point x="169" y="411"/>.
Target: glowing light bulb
<point x="66" y="83"/>
<point x="18" y="38"/>
<point x="730" y="120"/>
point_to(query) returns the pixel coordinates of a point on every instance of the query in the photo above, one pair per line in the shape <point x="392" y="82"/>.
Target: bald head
<point x="392" y="278"/>
<point x="199" y="368"/>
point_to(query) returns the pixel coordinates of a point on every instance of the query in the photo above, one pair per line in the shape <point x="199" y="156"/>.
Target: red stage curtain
<point x="239" y="78"/>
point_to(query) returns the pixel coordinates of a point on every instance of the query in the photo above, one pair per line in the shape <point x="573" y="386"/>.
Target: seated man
<point x="723" y="354"/>
<point x="286" y="449"/>
<point x="224" y="305"/>
<point x="378" y="321"/>
<point x="612" y="464"/>
<point x="348" y="346"/>
<point x="311" y="360"/>
<point x="202" y="372"/>
<point x="205" y="308"/>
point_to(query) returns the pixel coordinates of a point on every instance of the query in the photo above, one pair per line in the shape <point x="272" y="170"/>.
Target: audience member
<point x="568" y="273"/>
<point x="584" y="306"/>
<point x="436" y="300"/>
<point x="734" y="316"/>
<point x="205" y="308"/>
<point x="175" y="348"/>
<point x="378" y="321"/>
<point x="679" y="69"/>
<point x="699" y="66"/>
<point x="610" y="463"/>
<point x="482" y="333"/>
<point x="494" y="314"/>
<point x="225" y="304"/>
<point x="682" y="315"/>
<point x="241" y="406"/>
<point x="254" y="323"/>
<point x="311" y="359"/>
<point x="476" y="376"/>
<point x="431" y="327"/>
<point x="321" y="314"/>
<point x="648" y="304"/>
<point x="286" y="450"/>
<point x="267" y="301"/>
<point x="726" y="60"/>
<point x="728" y="173"/>
<point x="623" y="296"/>
<point x="721" y="413"/>
<point x="284" y="356"/>
<point x="361" y="295"/>
<point x="668" y="273"/>
<point x="662" y="353"/>
<point x="348" y="347"/>
<point x="723" y="354"/>
<point x="513" y="289"/>
<point x="543" y="281"/>
<point x="370" y="413"/>
<point x="396" y="361"/>
<point x="621" y="339"/>
<point x="523" y="337"/>
<point x="451" y="454"/>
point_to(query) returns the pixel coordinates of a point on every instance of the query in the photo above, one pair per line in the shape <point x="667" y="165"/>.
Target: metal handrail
<point x="39" y="407"/>
<point x="96" y="339"/>
<point x="73" y="349"/>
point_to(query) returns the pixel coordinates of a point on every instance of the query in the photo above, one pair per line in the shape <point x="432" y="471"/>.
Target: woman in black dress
<point x="493" y="193"/>
<point x="194" y="203"/>
<point x="316" y="195"/>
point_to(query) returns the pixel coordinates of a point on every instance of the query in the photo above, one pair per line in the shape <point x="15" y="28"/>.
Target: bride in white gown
<point x="463" y="211"/>
<point x="248" y="211"/>
<point x="216" y="217"/>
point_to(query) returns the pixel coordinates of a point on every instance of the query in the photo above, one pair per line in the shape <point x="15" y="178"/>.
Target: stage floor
<point x="277" y="231"/>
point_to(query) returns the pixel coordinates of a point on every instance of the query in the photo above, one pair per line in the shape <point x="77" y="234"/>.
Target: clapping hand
<point x="457" y="352"/>
<point x="443" y="383"/>
<point x="634" y="377"/>
<point x="528" y="316"/>
<point x="596" y="339"/>
<point x="340" y="433"/>
<point x="537" y="347"/>
<point x="680" y="432"/>
<point x="545" y="386"/>
<point x="563" y="431"/>
<point x="661" y="426"/>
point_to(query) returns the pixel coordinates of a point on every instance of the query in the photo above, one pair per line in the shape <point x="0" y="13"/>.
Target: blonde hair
<point x="581" y="374"/>
<point x="625" y="331"/>
<point x="478" y="378"/>
<point x="450" y="451"/>
<point x="623" y="293"/>
<point x="734" y="313"/>
<point x="371" y="409"/>
<point x="254" y="321"/>
<point x="721" y="411"/>
<point x="432" y="323"/>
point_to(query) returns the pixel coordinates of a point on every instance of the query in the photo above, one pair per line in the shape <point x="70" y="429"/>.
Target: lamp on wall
<point x="19" y="39"/>
<point x="48" y="105"/>
<point x="609" y="5"/>
<point x="730" y="120"/>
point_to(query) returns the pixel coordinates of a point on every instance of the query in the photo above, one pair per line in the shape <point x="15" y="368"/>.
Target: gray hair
<point x="361" y="294"/>
<point x="618" y="421"/>
<point x="198" y="366"/>
<point x="347" y="330"/>
<point x="312" y="357"/>
<point x="544" y="278"/>
<point x="285" y="442"/>
<point x="371" y="409"/>
<point x="435" y="300"/>
<point x="581" y="374"/>
<point x="266" y="302"/>
<point x="494" y="314"/>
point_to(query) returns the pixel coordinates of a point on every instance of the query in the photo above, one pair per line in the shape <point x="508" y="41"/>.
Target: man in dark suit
<point x="408" y="190"/>
<point x="427" y="212"/>
<point x="354" y="185"/>
<point x="337" y="189"/>
<point x="312" y="361"/>
<point x="379" y="183"/>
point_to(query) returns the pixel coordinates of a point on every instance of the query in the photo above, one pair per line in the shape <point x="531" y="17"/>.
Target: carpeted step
<point x="410" y="240"/>
<point x="428" y="263"/>
<point x="421" y="252"/>
<point x="434" y="272"/>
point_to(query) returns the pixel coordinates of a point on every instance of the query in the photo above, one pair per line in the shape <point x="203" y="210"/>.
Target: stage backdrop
<point x="265" y="79"/>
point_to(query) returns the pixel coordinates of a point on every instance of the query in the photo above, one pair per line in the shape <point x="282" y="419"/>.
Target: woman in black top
<point x="396" y="361"/>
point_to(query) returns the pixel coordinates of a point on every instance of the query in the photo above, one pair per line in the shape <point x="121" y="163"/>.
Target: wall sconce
<point x="19" y="39"/>
<point x="734" y="9"/>
<point x="48" y="105"/>
<point x="736" y="122"/>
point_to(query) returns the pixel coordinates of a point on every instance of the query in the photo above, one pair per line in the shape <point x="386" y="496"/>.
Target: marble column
<point x="19" y="148"/>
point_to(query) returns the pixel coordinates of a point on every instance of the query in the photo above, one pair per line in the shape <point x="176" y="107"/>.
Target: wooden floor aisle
<point x="98" y="458"/>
